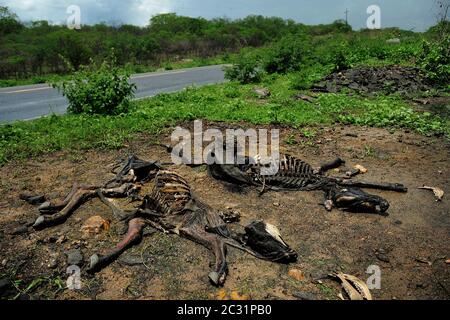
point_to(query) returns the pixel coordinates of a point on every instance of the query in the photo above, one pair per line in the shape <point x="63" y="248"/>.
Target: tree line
<point x="40" y="48"/>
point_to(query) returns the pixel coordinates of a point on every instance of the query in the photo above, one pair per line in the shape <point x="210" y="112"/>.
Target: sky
<point x="417" y="15"/>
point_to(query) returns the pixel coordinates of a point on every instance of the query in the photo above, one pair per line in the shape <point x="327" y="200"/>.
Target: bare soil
<point x="410" y="245"/>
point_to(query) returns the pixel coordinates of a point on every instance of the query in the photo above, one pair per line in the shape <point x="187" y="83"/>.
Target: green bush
<point x="435" y="60"/>
<point x="100" y="89"/>
<point x="287" y="55"/>
<point x="246" y="70"/>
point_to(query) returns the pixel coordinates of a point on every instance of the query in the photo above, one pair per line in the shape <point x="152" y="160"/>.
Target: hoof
<point x="328" y="204"/>
<point x="39" y="221"/>
<point x="93" y="262"/>
<point x="214" y="277"/>
<point x="44" y="206"/>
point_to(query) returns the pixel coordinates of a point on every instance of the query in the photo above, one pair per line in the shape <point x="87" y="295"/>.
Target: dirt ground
<point x="410" y="245"/>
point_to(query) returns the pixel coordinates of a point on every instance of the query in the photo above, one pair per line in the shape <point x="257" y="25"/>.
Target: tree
<point x="9" y="22"/>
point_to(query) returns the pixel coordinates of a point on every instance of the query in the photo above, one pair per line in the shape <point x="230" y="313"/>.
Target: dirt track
<point x="415" y="232"/>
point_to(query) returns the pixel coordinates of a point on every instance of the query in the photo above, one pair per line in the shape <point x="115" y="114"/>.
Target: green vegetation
<point x="38" y="49"/>
<point x="98" y="90"/>
<point x="435" y="60"/>
<point x="226" y="102"/>
<point x="301" y="56"/>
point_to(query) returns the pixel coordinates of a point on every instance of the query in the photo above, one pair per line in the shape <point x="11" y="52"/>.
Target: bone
<point x="79" y="197"/>
<point x="134" y="235"/>
<point x="336" y="163"/>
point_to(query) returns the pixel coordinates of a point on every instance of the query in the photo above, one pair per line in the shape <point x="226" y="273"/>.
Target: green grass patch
<point x="229" y="102"/>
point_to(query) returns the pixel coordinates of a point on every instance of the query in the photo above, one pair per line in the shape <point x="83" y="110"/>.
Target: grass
<point x="229" y="102"/>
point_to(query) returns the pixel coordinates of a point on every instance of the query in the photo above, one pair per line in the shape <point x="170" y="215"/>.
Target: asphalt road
<point x="29" y="102"/>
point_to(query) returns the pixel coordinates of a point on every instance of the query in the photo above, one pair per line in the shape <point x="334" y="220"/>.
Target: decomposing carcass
<point x="296" y="174"/>
<point x="171" y="207"/>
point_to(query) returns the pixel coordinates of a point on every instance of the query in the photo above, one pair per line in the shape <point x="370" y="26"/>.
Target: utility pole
<point x="346" y="16"/>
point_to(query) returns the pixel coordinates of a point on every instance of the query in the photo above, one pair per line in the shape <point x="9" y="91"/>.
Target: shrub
<point x="100" y="89"/>
<point x="287" y="54"/>
<point x="435" y="60"/>
<point x="246" y="70"/>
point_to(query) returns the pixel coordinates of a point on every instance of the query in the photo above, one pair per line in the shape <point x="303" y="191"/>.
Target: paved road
<point x="29" y="102"/>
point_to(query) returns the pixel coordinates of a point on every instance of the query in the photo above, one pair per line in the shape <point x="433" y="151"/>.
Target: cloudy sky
<point x="407" y="14"/>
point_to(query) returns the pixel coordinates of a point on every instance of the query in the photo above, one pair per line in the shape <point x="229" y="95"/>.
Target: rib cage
<point x="293" y="173"/>
<point x="170" y="194"/>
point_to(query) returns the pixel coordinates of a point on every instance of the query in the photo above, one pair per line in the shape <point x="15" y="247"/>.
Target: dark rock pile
<point x="387" y="79"/>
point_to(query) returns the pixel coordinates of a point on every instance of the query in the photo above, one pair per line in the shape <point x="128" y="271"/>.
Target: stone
<point x="130" y="260"/>
<point x="19" y="230"/>
<point x="296" y="274"/>
<point x="94" y="225"/>
<point x="382" y="257"/>
<point x="262" y="92"/>
<point x="304" y="295"/>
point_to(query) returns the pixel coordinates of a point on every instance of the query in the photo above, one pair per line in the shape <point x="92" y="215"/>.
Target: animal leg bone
<point x="81" y="195"/>
<point x="118" y="213"/>
<point x="49" y="208"/>
<point x="214" y="243"/>
<point x="134" y="235"/>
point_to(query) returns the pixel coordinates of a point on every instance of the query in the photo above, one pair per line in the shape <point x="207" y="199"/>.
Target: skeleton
<point x="295" y="174"/>
<point x="171" y="207"/>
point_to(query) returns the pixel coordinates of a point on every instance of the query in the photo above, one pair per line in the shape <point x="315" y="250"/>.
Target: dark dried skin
<point x="356" y="200"/>
<point x="171" y="207"/>
<point x="295" y="174"/>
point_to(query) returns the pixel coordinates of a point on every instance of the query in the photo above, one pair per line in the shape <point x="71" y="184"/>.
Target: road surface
<point x="34" y="101"/>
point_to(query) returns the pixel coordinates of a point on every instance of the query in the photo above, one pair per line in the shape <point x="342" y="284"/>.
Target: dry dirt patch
<point x="410" y="245"/>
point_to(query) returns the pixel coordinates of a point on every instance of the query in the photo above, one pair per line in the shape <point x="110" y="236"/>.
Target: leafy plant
<point x="247" y="70"/>
<point x="98" y="90"/>
<point x="435" y="60"/>
<point x="287" y="54"/>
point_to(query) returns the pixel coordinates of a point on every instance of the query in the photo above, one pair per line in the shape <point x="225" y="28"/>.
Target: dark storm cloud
<point x="406" y="14"/>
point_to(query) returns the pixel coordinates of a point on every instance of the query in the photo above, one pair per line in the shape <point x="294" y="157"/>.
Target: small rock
<point x="360" y="168"/>
<point x="130" y="260"/>
<point x="296" y="274"/>
<point x="262" y="92"/>
<point x="19" y="230"/>
<point x="397" y="222"/>
<point x="304" y="295"/>
<point x="74" y="257"/>
<point x="4" y="262"/>
<point x="276" y="204"/>
<point x="447" y="261"/>
<point x="94" y="225"/>
<point x="382" y="257"/>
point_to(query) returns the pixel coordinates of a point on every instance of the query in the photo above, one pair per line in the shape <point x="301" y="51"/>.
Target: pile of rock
<point x="387" y="79"/>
